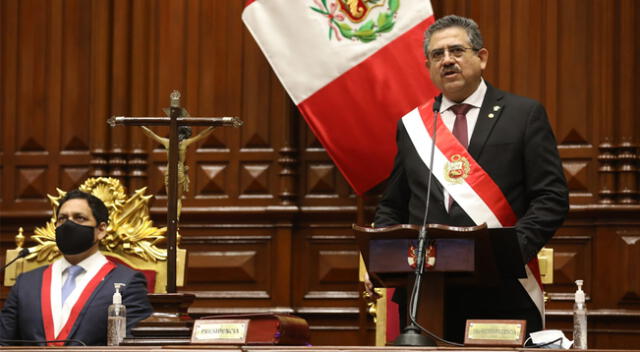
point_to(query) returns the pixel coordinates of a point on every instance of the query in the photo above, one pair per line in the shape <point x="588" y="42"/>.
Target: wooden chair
<point x="131" y="237"/>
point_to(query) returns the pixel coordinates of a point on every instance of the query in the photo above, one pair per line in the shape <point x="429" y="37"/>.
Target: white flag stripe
<point x="295" y="39"/>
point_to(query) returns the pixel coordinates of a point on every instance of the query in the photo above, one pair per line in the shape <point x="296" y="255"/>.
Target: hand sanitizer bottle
<point x="117" y="321"/>
<point x="579" y="319"/>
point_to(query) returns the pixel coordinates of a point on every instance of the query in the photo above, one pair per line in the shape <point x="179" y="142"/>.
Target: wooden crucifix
<point x="177" y="116"/>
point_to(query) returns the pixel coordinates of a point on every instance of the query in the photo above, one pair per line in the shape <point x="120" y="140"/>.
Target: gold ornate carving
<point x="130" y="230"/>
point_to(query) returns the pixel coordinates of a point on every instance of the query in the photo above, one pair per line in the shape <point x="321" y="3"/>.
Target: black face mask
<point x="73" y="238"/>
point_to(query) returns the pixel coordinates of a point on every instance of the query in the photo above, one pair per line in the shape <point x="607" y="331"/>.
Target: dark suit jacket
<point x="518" y="150"/>
<point x="21" y="317"/>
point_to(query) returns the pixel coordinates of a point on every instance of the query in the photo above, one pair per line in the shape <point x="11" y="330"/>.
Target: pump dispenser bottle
<point x="117" y="321"/>
<point x="579" y="319"/>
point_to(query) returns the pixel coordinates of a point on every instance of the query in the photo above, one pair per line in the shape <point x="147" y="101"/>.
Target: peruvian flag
<point x="353" y="68"/>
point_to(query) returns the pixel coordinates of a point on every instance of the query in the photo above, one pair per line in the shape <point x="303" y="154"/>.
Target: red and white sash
<point x="466" y="181"/>
<point x="45" y="303"/>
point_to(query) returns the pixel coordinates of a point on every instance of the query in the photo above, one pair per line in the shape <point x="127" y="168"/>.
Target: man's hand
<point x="369" y="288"/>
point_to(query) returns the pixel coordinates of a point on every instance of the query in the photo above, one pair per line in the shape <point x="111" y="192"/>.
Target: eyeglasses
<point x="437" y="55"/>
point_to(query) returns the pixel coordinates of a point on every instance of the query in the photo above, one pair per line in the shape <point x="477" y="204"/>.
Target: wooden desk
<point x="267" y="349"/>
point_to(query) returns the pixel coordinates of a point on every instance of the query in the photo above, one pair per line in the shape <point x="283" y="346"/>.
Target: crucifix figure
<point x="178" y="117"/>
<point x="184" y="140"/>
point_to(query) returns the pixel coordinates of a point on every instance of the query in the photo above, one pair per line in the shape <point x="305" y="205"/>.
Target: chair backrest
<point x="131" y="237"/>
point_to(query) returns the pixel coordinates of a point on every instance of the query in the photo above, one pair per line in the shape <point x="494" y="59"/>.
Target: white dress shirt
<point x="61" y="312"/>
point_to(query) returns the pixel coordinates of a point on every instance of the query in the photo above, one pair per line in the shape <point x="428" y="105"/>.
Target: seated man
<point x="69" y="299"/>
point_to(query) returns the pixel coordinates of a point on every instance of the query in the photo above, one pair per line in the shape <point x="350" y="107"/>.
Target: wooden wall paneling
<point x="280" y="130"/>
<point x="573" y="249"/>
<point x="267" y="195"/>
<point x="321" y="183"/>
<point x="192" y="58"/>
<point x="9" y="57"/>
<point x="551" y="48"/>
<point x="167" y="73"/>
<point x="502" y="46"/>
<point x="526" y="47"/>
<point x="101" y="16"/>
<point x="30" y="137"/>
<point x="282" y="258"/>
<point x="629" y="141"/>
<point x="73" y="84"/>
<point x="140" y="88"/>
<point x="230" y="268"/>
<point x="288" y="156"/>
<point x="120" y="87"/>
<point x="8" y="60"/>
<point x="70" y="93"/>
<point x="327" y="265"/>
<point x="616" y="263"/>
<point x="618" y="330"/>
<point x="54" y="122"/>
<point x="604" y="111"/>
<point x="576" y="123"/>
<point x="172" y="46"/>
<point x="218" y="84"/>
<point x="257" y="86"/>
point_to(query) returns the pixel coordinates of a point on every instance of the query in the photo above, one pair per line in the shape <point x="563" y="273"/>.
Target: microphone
<point x="411" y="334"/>
<point x="23" y="253"/>
<point x="437" y="102"/>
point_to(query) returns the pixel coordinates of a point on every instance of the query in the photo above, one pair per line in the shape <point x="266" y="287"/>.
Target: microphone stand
<point x="23" y="253"/>
<point x="410" y="335"/>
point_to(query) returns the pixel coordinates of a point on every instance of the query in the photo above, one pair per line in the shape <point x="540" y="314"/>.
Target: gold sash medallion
<point x="456" y="169"/>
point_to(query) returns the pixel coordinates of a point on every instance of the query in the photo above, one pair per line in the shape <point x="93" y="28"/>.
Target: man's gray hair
<point x="469" y="25"/>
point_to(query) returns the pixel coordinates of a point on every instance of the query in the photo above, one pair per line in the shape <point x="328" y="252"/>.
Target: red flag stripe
<point x="355" y="116"/>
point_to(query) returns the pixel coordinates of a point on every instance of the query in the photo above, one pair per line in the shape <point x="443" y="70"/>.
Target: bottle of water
<point x="579" y="319"/>
<point x="117" y="319"/>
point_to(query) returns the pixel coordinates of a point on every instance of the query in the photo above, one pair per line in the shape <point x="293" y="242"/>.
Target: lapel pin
<point x="496" y="108"/>
<point x="491" y="116"/>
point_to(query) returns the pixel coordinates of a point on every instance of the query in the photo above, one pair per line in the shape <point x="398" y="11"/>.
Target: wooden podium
<point x="483" y="256"/>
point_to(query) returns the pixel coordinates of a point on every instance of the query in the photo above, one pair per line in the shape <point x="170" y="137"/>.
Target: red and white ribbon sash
<point x="45" y="303"/>
<point x="477" y="194"/>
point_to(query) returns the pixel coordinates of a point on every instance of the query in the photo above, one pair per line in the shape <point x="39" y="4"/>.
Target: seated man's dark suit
<point x="21" y="317"/>
<point x="517" y="149"/>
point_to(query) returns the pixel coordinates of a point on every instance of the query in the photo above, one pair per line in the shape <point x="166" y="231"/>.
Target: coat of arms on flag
<point x="353" y="68"/>
<point x="360" y="20"/>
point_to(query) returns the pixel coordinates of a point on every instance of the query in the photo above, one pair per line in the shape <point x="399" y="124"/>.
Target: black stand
<point x="410" y="335"/>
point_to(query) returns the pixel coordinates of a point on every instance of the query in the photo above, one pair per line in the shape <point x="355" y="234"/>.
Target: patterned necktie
<point x="69" y="284"/>
<point x="460" y="129"/>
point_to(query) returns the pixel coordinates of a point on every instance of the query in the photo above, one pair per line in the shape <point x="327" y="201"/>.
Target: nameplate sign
<point x="220" y="331"/>
<point x="495" y="333"/>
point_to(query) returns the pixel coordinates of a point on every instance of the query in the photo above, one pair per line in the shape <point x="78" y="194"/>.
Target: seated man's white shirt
<point x="449" y="118"/>
<point x="61" y="312"/>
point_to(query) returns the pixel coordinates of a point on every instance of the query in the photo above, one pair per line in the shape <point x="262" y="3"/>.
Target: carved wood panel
<point x="268" y="214"/>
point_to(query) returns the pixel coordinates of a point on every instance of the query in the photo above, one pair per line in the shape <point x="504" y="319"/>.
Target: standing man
<point x="496" y="162"/>
<point x="69" y="299"/>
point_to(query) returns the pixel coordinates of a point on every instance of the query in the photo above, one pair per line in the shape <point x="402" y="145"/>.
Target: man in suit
<point x="68" y="300"/>
<point x="496" y="161"/>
